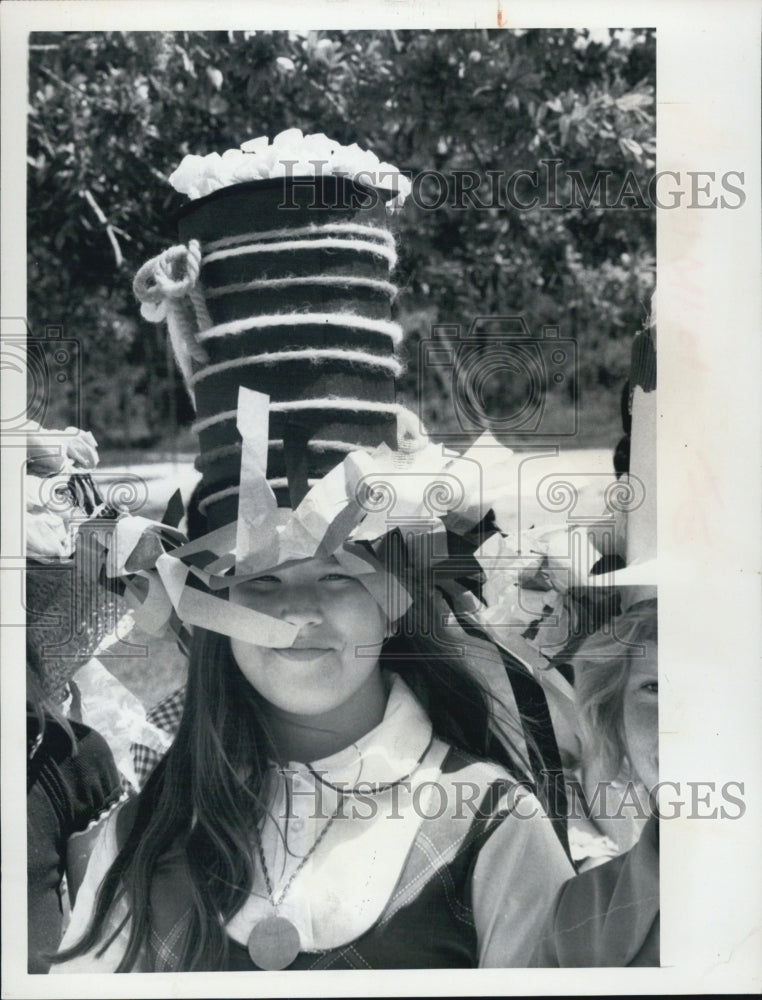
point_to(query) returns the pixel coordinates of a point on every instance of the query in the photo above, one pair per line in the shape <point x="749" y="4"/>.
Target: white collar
<point x="388" y="753"/>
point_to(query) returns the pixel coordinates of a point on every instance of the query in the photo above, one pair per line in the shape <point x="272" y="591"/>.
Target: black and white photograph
<point x="348" y="492"/>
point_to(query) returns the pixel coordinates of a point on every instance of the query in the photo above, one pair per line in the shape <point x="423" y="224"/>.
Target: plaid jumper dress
<point x="426" y="923"/>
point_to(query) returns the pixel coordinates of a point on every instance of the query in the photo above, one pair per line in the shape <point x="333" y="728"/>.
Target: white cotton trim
<point x="392" y="330"/>
<point x="235" y="490"/>
<point x="231" y="491"/>
<point x="317" y="446"/>
<point x="309" y="354"/>
<point x="357" y="405"/>
<point x="214" y="454"/>
<point x="281" y="482"/>
<point x="289" y="246"/>
<point x="217" y="418"/>
<point x="347" y="281"/>
<point x="330" y="227"/>
<point x="320" y="444"/>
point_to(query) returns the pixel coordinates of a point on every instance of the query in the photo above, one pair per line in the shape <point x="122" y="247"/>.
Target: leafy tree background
<point x="112" y="114"/>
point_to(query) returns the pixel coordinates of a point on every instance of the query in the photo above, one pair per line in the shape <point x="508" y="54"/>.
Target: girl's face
<point x="335" y="654"/>
<point x="641" y="723"/>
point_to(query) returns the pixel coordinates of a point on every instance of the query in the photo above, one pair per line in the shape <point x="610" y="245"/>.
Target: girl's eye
<point x="652" y="687"/>
<point x="262" y="582"/>
<point x="337" y="577"/>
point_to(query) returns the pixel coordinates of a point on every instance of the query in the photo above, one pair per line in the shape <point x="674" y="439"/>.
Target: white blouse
<point x="346" y="884"/>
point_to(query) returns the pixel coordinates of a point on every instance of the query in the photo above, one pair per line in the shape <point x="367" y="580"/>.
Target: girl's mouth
<point x="303" y="654"/>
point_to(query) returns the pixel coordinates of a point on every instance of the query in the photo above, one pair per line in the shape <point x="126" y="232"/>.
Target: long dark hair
<point x="206" y="795"/>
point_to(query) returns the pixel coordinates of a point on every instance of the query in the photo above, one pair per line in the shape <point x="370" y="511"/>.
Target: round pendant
<point x="273" y="943"/>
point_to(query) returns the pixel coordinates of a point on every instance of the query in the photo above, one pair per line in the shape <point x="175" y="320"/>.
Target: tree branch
<point x="109" y="228"/>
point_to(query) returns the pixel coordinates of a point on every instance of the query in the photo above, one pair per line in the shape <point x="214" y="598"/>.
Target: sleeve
<point x="104" y="853"/>
<point x="545" y="954"/>
<point x="516" y="879"/>
<point x="93" y="781"/>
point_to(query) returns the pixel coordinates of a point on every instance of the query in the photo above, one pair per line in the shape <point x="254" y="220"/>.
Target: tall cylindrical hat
<point x="278" y="303"/>
<point x="289" y="292"/>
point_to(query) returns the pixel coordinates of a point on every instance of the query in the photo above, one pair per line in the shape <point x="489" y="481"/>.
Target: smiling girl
<point x="327" y="688"/>
<point x="340" y="792"/>
<point x="318" y="810"/>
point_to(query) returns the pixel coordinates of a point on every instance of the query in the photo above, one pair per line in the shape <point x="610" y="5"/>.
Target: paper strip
<point x="385" y="589"/>
<point x="153" y="611"/>
<point x="221" y="541"/>
<point x="216" y="614"/>
<point x="137" y="543"/>
<point x="227" y="618"/>
<point x="173" y="575"/>
<point x="128" y="530"/>
<point x="257" y="505"/>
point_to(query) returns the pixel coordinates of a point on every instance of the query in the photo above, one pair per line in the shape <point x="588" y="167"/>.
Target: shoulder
<point x="87" y="747"/>
<point x="500" y="792"/>
<point x="629" y="876"/>
<point x="91" y="746"/>
<point x="588" y="894"/>
<point x="520" y="868"/>
<point x="94" y="761"/>
<point x="86" y="775"/>
<point x="132" y="815"/>
<point x="459" y="763"/>
<point x="606" y="915"/>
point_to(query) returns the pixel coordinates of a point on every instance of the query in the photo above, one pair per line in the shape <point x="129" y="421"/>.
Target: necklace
<point x="373" y="789"/>
<point x="274" y="941"/>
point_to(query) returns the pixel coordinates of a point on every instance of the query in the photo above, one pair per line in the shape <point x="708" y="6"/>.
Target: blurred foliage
<point x="111" y="114"/>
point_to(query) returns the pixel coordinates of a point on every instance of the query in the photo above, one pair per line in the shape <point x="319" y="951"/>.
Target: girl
<point x="609" y="916"/>
<point x="72" y="780"/>
<point x="340" y="802"/>
<point x="337" y="804"/>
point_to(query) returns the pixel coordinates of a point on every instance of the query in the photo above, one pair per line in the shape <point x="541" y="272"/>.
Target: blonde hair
<point x="601" y="666"/>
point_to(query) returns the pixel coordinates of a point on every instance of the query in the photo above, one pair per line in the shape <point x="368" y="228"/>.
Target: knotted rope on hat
<point x="168" y="288"/>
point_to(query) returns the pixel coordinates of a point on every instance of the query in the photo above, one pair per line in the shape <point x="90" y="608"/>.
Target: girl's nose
<point x="300" y="606"/>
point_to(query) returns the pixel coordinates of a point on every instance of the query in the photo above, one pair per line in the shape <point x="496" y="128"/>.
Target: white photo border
<point x="709" y="323"/>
